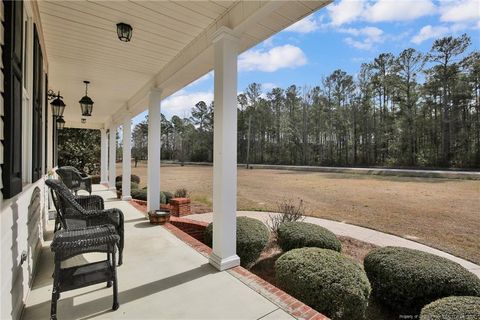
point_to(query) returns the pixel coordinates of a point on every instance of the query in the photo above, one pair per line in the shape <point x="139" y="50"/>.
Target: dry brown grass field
<point x="443" y="213"/>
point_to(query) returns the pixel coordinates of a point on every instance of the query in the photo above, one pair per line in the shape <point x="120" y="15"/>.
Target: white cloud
<point x="429" y="32"/>
<point x="281" y="57"/>
<point x="345" y="11"/>
<point x="369" y="36"/>
<point x="181" y="102"/>
<point x="458" y="11"/>
<point x="399" y="10"/>
<point x="370" y="32"/>
<point x="306" y="25"/>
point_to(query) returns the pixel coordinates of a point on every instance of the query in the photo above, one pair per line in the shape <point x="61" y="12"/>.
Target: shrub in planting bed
<point x="406" y="280"/>
<point x="292" y="235"/>
<point x="133" y="178"/>
<point x="452" y="308"/>
<point x="325" y="280"/>
<point x="133" y="185"/>
<point x="141" y="194"/>
<point x="252" y="238"/>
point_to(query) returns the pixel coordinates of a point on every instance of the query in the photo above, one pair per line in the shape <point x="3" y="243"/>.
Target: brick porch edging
<point x="283" y="300"/>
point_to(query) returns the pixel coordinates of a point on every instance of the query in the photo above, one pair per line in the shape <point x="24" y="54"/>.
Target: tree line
<point x="414" y="110"/>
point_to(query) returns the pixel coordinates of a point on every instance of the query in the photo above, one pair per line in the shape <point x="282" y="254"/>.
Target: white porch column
<point x="103" y="156"/>
<point x="112" y="157"/>
<point x="225" y="151"/>
<point x="154" y="143"/>
<point x="127" y="159"/>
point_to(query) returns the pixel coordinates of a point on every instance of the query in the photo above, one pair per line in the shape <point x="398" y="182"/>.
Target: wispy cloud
<point x="345" y="11"/>
<point x="348" y="11"/>
<point x="402" y="10"/>
<point x="366" y="37"/>
<point x="306" y="25"/>
<point x="281" y="57"/>
<point x="460" y="11"/>
<point x="182" y="102"/>
<point x="429" y="32"/>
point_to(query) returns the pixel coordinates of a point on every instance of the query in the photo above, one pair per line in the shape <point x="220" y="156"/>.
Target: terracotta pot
<point x="159" y="217"/>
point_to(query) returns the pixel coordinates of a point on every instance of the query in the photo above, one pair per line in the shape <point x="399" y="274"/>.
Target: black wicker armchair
<point x="77" y="212"/>
<point x="74" y="179"/>
<point x="69" y="243"/>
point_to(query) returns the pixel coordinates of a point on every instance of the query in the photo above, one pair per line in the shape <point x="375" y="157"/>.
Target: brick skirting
<point x="191" y="232"/>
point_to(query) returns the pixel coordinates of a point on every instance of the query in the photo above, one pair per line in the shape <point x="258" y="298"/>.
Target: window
<point x="12" y="57"/>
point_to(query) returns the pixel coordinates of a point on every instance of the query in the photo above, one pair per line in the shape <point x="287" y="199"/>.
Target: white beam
<point x="112" y="157"/>
<point x="225" y="151"/>
<point x="154" y="144"/>
<point x="127" y="159"/>
<point x="103" y="156"/>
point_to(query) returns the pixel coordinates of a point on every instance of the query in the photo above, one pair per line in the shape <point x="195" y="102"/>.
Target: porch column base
<point x="126" y="198"/>
<point x="225" y="263"/>
<point x="103" y="182"/>
<point x="112" y="188"/>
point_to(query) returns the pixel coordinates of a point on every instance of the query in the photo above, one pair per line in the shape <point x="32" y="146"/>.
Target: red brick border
<point x="289" y="304"/>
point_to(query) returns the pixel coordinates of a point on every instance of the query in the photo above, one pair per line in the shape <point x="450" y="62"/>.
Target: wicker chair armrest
<point x="91" y="203"/>
<point x="108" y="216"/>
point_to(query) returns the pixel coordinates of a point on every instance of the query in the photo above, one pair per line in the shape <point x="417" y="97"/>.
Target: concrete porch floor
<point x="161" y="278"/>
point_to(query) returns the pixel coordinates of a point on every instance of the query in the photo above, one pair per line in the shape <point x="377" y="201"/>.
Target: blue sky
<point x="341" y="36"/>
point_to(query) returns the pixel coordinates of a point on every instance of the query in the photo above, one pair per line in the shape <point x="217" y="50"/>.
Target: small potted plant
<point x="158" y="216"/>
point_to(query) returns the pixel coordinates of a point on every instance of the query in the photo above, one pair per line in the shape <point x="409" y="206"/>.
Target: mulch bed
<point x="352" y="248"/>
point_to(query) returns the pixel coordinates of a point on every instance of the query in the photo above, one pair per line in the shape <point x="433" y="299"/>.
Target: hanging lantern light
<point x="58" y="106"/>
<point x="124" y="32"/>
<point x="60" y="123"/>
<point x="84" y="120"/>
<point x="86" y="104"/>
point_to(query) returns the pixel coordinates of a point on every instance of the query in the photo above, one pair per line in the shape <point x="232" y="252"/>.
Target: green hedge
<point x="133" y="185"/>
<point x="406" y="279"/>
<point x="141" y="194"/>
<point x="452" y="308"/>
<point x="252" y="237"/>
<point x="133" y="178"/>
<point x="325" y="280"/>
<point x="292" y="235"/>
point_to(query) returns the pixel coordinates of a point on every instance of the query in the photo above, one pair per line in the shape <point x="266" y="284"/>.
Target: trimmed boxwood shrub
<point x="141" y="194"/>
<point x="133" y="185"/>
<point x="292" y="235"/>
<point x="133" y="178"/>
<point x="452" y="308"/>
<point x="252" y="237"/>
<point x="406" y="279"/>
<point x="325" y="280"/>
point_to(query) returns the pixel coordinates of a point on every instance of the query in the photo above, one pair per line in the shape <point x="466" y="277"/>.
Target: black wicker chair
<point x="69" y="243"/>
<point x="78" y="212"/>
<point x="74" y="179"/>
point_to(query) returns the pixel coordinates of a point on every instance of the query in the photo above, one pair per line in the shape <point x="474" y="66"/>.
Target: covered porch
<point x="162" y="278"/>
<point x="172" y="45"/>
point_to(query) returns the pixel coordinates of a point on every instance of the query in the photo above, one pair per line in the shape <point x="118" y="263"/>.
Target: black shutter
<point x="46" y="123"/>
<point x="37" y="132"/>
<point x="12" y="54"/>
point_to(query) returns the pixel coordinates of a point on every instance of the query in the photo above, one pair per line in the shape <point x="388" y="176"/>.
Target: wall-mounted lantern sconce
<point x="124" y="32"/>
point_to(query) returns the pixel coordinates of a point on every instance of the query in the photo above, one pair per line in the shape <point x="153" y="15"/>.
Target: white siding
<point x="19" y="231"/>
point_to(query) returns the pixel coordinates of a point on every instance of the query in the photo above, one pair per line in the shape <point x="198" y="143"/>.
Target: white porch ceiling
<point x="170" y="47"/>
